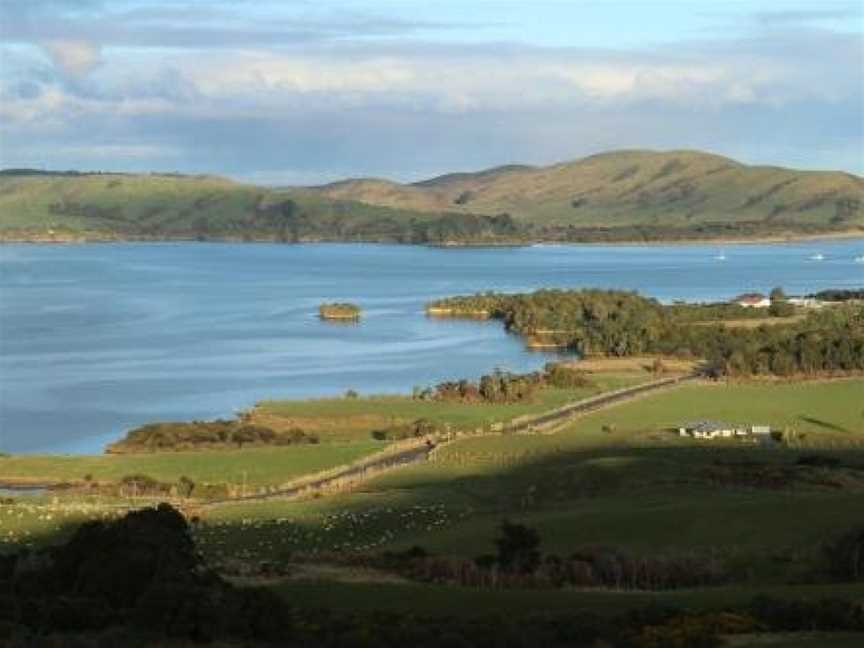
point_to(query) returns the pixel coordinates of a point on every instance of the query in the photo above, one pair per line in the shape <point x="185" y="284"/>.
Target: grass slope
<point x="117" y="206"/>
<point x="637" y="192"/>
<point x="622" y="188"/>
<point x="254" y="466"/>
<point x="605" y="475"/>
<point x="346" y="419"/>
<point x="464" y="602"/>
<point x="585" y="485"/>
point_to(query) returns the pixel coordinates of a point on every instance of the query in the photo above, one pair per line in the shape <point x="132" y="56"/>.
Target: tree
<point x="518" y="548"/>
<point x="245" y="434"/>
<point x="781" y="309"/>
<point x="185" y="486"/>
<point x="777" y="295"/>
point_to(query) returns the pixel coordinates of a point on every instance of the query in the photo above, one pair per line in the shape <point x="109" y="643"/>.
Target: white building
<point x="752" y="300"/>
<point x="720" y="430"/>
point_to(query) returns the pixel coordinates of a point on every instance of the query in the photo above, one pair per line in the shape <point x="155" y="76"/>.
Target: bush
<point x="844" y="556"/>
<point x="518" y="548"/>
<point x="141" y="571"/>
<point x="819" y="461"/>
<point x="143" y="485"/>
<point x="794" y="616"/>
<point x="695" y="631"/>
<point x="339" y="311"/>
<point x="564" y="377"/>
<point x="158" y="437"/>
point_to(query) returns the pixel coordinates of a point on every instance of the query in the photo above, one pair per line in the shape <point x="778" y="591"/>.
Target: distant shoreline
<point x="725" y="240"/>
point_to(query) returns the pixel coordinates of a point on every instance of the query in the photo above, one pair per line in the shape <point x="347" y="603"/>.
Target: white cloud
<point x="74" y="57"/>
<point x="289" y="112"/>
<point x="256" y="71"/>
<point x="115" y="151"/>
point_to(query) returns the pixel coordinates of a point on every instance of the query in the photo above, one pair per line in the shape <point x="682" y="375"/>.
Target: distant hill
<point x="627" y="188"/>
<point x="66" y="206"/>
<point x="622" y="195"/>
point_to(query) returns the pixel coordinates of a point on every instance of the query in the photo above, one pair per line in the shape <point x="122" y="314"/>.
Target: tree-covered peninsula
<point x="619" y="323"/>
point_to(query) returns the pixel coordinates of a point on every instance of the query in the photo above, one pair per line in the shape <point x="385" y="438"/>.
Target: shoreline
<point x="39" y="483"/>
<point x="725" y="240"/>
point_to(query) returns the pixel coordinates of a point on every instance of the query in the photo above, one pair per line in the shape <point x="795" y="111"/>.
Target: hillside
<point x="111" y="206"/>
<point x="623" y="195"/>
<point x="680" y="189"/>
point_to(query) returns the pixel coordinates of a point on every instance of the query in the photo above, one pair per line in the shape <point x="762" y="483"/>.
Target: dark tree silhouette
<point x="518" y="548"/>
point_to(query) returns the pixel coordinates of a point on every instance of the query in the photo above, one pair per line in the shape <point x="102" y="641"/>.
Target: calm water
<point x="97" y="338"/>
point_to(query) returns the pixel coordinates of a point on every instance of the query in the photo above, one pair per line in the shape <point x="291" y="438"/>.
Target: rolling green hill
<point x="46" y="206"/>
<point x="624" y="195"/>
<point x="626" y="188"/>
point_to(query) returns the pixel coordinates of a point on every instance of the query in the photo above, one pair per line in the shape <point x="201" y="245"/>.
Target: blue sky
<point x="305" y="92"/>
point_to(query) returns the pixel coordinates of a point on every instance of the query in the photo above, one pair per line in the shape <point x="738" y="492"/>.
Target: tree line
<point x="621" y="323"/>
<point x="158" y="437"/>
<point x="499" y="387"/>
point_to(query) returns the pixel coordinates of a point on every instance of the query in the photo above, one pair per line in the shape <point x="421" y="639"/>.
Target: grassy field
<point x="615" y="478"/>
<point x="345" y="419"/>
<point x="344" y="425"/>
<point x="754" y="322"/>
<point x="466" y="602"/>
<point x="253" y="466"/>
<point x="577" y="487"/>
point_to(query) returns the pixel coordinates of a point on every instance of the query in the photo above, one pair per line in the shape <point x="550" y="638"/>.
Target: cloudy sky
<point x="295" y="92"/>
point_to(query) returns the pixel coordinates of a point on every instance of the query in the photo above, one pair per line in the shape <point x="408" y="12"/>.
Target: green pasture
<point x="31" y="521"/>
<point x="342" y="419"/>
<point x="828" y="411"/>
<point x="258" y="466"/>
<point x="638" y="487"/>
<point x="442" y="600"/>
<point x="616" y="477"/>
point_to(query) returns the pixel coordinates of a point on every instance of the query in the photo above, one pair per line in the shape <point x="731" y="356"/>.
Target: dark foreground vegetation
<point x="140" y="578"/>
<point x="520" y="562"/>
<point x="616" y="323"/>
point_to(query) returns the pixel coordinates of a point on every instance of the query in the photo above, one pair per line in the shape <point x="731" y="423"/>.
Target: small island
<point x="339" y="311"/>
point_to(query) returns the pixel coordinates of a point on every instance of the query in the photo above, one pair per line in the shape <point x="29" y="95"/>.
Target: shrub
<point x="819" y="461"/>
<point x="518" y="548"/>
<point x="339" y="311"/>
<point x="158" y="437"/>
<point x="562" y="376"/>
<point x="844" y="556"/>
<point x="143" y="484"/>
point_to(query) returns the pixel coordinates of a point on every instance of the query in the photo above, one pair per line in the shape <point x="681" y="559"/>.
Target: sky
<point x="302" y="92"/>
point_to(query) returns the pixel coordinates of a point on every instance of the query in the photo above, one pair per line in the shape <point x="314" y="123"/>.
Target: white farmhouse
<point x="752" y="300"/>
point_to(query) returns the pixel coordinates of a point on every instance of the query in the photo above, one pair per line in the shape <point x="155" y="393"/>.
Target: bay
<point x="98" y="338"/>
